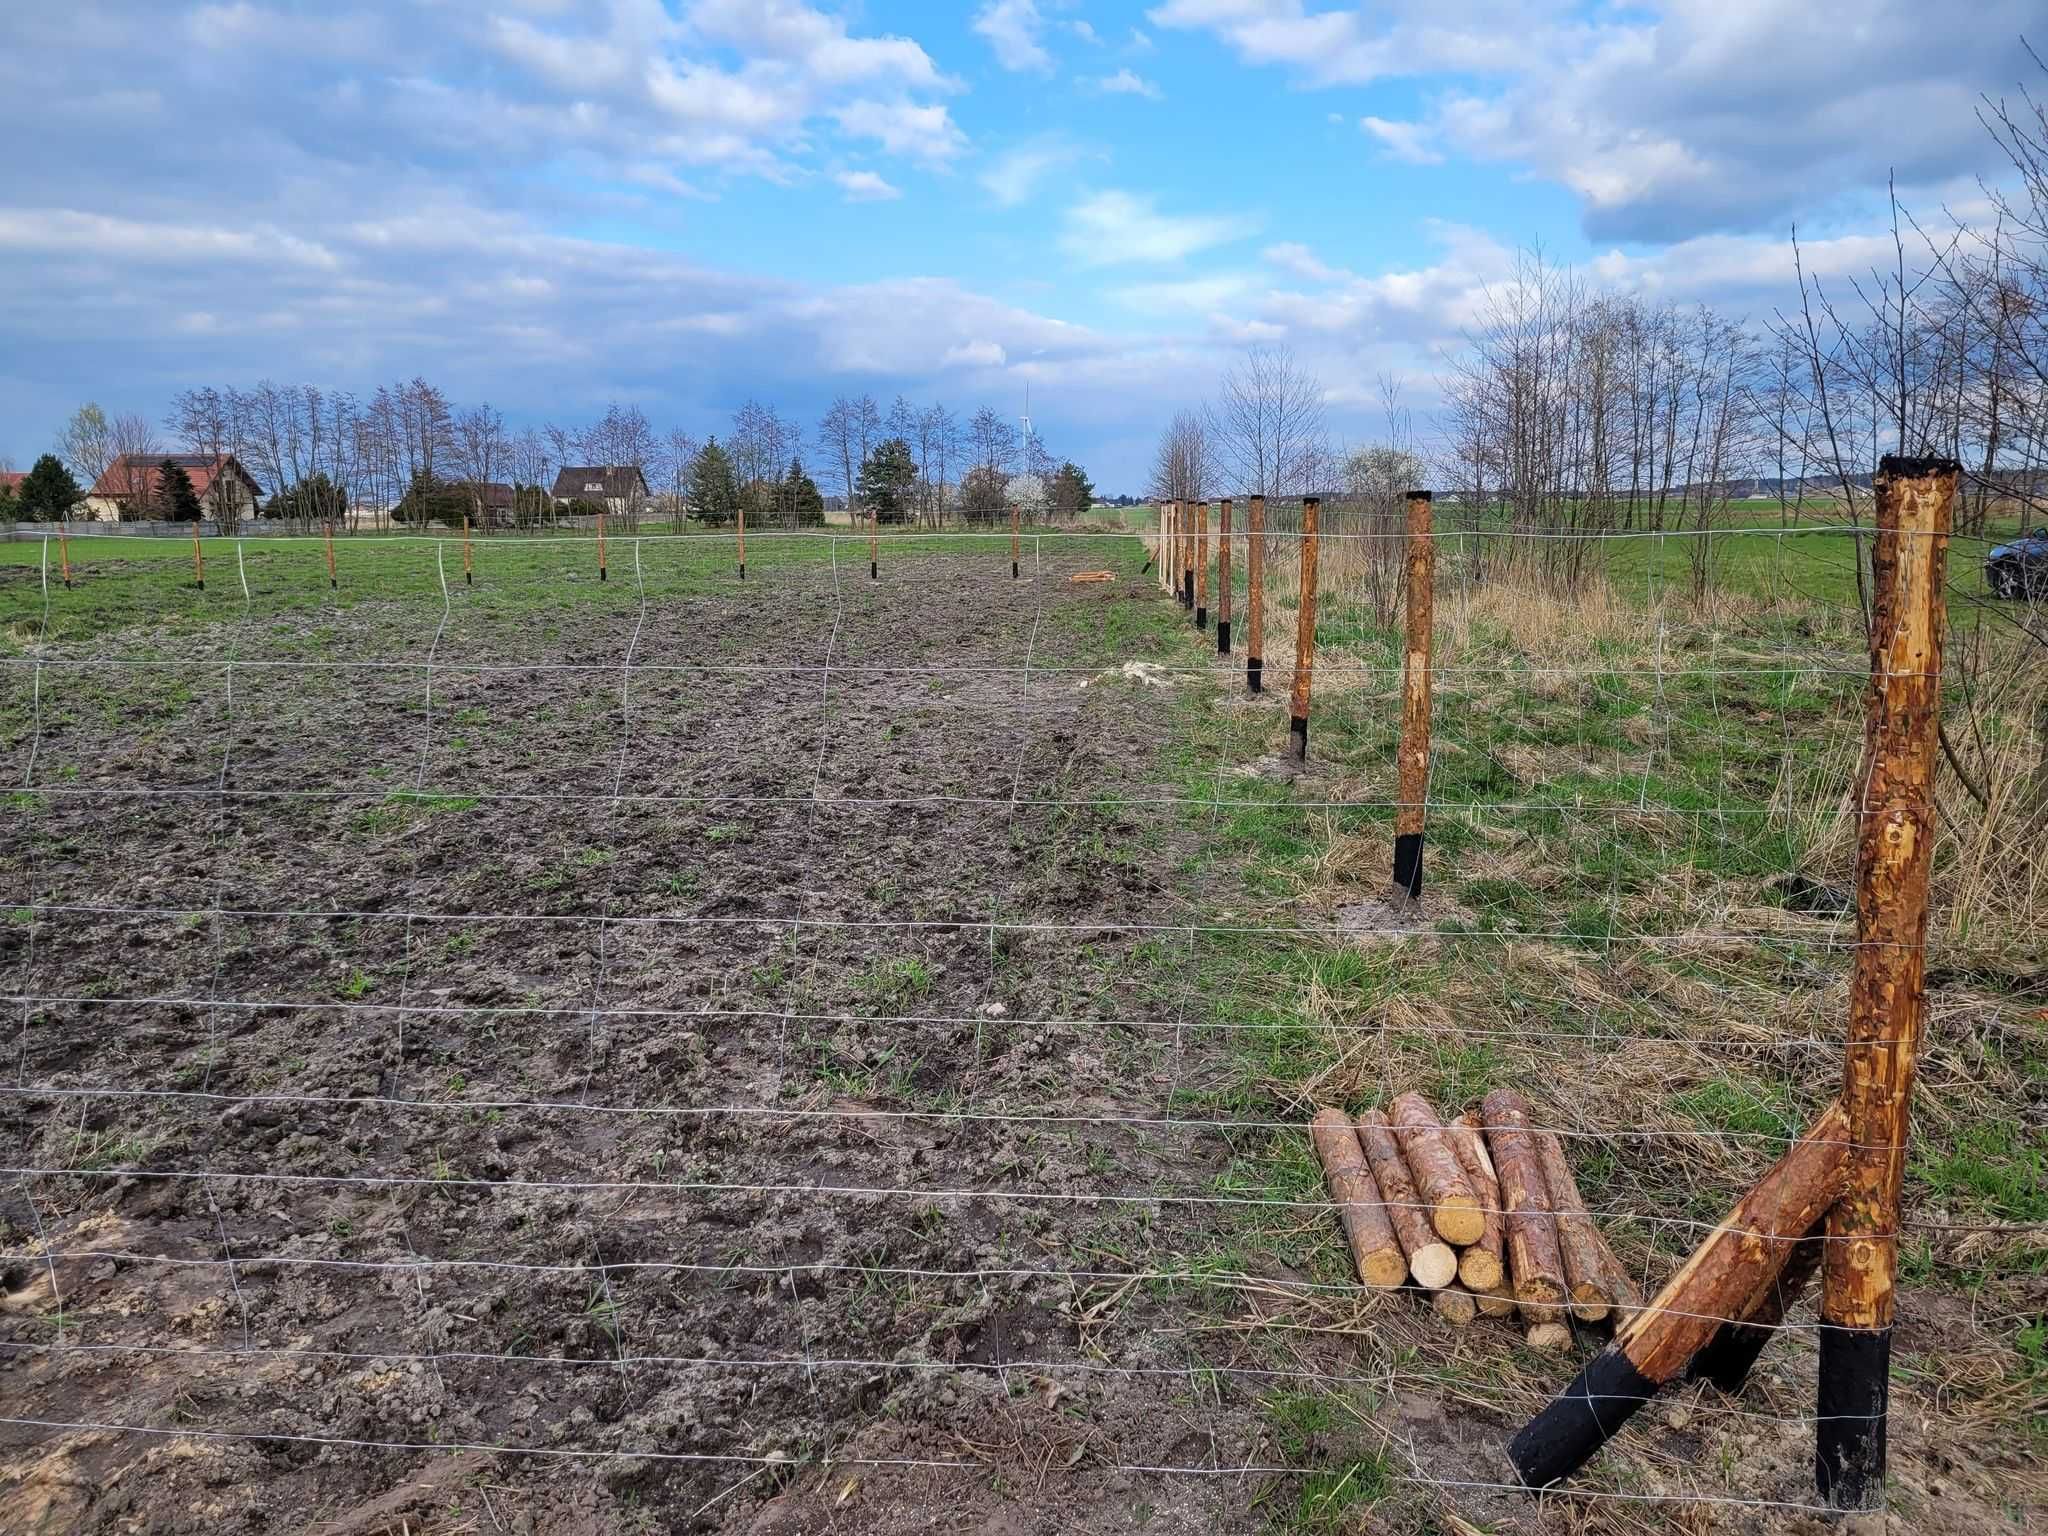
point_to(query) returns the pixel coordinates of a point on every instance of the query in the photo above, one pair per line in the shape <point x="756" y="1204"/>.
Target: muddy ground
<point x="668" y="1062"/>
<point x="600" y="1076"/>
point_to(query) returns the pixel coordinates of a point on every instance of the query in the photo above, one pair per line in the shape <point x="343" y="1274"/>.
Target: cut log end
<point x="1480" y="1270"/>
<point x="1460" y="1220"/>
<point x="1589" y="1303"/>
<point x="1495" y="1303"/>
<point x="1549" y="1337"/>
<point x="1383" y="1269"/>
<point x="1455" y="1305"/>
<point x="1434" y="1265"/>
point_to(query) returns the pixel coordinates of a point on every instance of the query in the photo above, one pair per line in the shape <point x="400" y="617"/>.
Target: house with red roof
<point x="129" y="491"/>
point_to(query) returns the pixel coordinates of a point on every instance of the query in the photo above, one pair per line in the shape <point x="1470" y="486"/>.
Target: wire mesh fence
<point x="849" y="1038"/>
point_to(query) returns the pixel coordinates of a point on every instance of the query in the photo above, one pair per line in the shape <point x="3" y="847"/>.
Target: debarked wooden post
<point x="1304" y="633"/>
<point x="1223" y="577"/>
<point x="1255" y="594"/>
<point x="1413" y="754"/>
<point x="1887" y="991"/>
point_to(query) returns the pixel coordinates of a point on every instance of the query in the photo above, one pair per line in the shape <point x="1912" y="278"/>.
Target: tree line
<point x="408" y="453"/>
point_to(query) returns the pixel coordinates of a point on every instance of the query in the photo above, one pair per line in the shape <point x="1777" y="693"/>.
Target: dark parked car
<point x="2019" y="569"/>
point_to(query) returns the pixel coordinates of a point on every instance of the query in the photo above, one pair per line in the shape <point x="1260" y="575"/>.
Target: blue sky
<point x="548" y="204"/>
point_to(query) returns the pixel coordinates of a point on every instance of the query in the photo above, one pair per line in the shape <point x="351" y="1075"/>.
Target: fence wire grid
<point x="850" y="1039"/>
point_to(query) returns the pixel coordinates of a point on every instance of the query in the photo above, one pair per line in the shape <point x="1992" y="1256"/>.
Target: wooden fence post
<point x="600" y="547"/>
<point x="1887" y="994"/>
<point x="1223" y="577"/>
<point x="64" y="552"/>
<point x="1255" y="594"/>
<point x="1413" y="755"/>
<point x="333" y="581"/>
<point x="874" y="543"/>
<point x="1304" y="632"/>
<point x="198" y="561"/>
<point x="743" y="541"/>
<point x="1201" y="565"/>
<point x="468" y="565"/>
<point x="1187" y="555"/>
<point x="1013" y="541"/>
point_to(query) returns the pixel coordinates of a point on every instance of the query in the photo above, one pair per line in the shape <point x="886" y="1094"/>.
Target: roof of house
<point x="137" y="472"/>
<point x="10" y="479"/>
<point x="595" y="480"/>
<point x="496" y="494"/>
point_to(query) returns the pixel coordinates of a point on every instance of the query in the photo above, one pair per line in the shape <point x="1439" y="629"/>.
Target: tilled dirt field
<point x="674" y="1056"/>
<point x="681" y="1074"/>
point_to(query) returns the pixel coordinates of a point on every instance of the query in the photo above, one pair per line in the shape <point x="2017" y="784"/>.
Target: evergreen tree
<point x="1072" y="491"/>
<point x="48" y="493"/>
<point x="714" y="492"/>
<point x="313" y="501"/>
<point x="886" y="480"/>
<point x="430" y="500"/>
<point x="10" y="508"/>
<point x="176" y="501"/>
<point x="800" y="497"/>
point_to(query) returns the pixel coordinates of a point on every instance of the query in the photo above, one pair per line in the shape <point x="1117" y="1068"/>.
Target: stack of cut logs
<point x="1482" y="1214"/>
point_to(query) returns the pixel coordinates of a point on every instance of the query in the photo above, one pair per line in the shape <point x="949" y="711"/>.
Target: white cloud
<point x="1408" y="142"/>
<point x="1126" y="83"/>
<point x="1016" y="32"/>
<point x="865" y="187"/>
<point x="1138" y="43"/>
<point x="1667" y="119"/>
<point x="974" y="354"/>
<point x="1085" y="32"/>
<point x="1121" y="228"/>
<point x="1014" y="175"/>
<point x="925" y="133"/>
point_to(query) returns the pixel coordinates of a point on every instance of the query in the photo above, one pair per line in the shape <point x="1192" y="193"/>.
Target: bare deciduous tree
<point x="1266" y="425"/>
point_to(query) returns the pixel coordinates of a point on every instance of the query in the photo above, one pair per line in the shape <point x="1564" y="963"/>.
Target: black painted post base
<point x="874" y="571"/>
<point x="334" y="583"/>
<point x="1255" y="674"/>
<point x="1580" y="1419"/>
<point x="1187" y="597"/>
<point x="600" y="573"/>
<point x="1297" y="739"/>
<point x="1408" y="864"/>
<point x="743" y="572"/>
<point x="1223" y="637"/>
<point x="1201" y="618"/>
<point x="200" y="584"/>
<point x="1849" y="1430"/>
<point x="1147" y="568"/>
<point x="469" y="578"/>
<point x="1013" y="570"/>
<point x="1731" y="1354"/>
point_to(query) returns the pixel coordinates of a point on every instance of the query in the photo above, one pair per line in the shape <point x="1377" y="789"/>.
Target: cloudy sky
<point x="549" y="204"/>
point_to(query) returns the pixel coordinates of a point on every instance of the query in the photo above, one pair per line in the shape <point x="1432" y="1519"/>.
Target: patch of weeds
<point x="894" y="985"/>
<point x="729" y="832"/>
<point x="358" y="983"/>
<point x="1990" y="1166"/>
<point x="1746" y="1106"/>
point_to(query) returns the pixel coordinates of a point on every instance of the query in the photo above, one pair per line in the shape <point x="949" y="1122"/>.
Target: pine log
<point x="1483" y="1266"/>
<point x="1455" y="1305"/>
<point x="1535" y="1266"/>
<point x="1499" y="1302"/>
<point x="1591" y="1269"/>
<point x="1431" y="1262"/>
<point x="1375" y="1252"/>
<point x="1743" y="1254"/>
<point x="1549" y="1336"/>
<point x="1454" y="1209"/>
